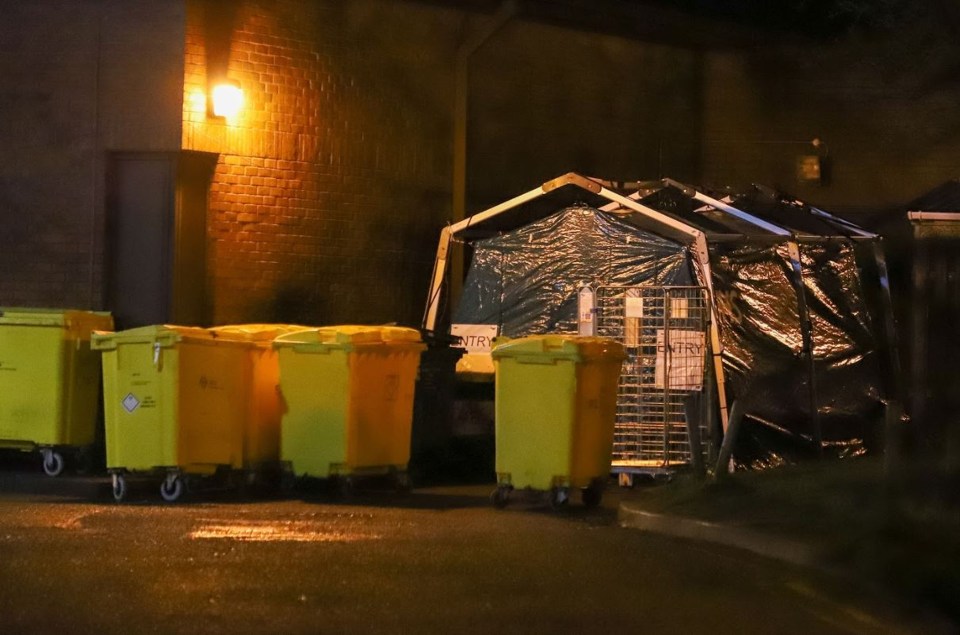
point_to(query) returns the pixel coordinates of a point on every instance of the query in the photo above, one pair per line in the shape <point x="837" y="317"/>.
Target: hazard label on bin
<point x="130" y="402"/>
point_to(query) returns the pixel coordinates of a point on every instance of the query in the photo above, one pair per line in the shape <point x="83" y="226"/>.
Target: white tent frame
<point x="793" y="251"/>
<point x="697" y="238"/>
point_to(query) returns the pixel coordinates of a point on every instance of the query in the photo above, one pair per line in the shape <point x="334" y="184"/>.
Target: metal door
<point x="157" y="210"/>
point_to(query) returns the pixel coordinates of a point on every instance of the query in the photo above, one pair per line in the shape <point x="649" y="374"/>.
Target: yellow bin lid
<point x="399" y="334"/>
<point x="261" y="333"/>
<point x="162" y="334"/>
<point x="80" y="323"/>
<point x="345" y="337"/>
<point x="552" y="347"/>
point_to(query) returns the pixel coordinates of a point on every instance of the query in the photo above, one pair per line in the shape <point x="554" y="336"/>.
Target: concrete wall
<point x="76" y="79"/>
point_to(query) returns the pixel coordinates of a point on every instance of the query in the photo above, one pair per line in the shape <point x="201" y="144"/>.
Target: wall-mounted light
<point x="226" y="98"/>
<point x="814" y="168"/>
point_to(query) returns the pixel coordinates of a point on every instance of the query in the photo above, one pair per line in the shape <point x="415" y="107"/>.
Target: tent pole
<point x="729" y="209"/>
<point x="489" y="213"/>
<point x="439" y="272"/>
<point x="716" y="348"/>
<point x="888" y="321"/>
<point x="702" y="255"/>
<point x="806" y="334"/>
<point x="893" y="430"/>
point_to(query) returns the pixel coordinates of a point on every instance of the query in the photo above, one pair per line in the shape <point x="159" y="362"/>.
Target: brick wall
<point x="546" y="100"/>
<point x="78" y="78"/>
<point x="332" y="183"/>
<point x="884" y="106"/>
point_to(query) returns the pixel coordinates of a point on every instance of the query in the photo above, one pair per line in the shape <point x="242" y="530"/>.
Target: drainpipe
<point x="465" y="50"/>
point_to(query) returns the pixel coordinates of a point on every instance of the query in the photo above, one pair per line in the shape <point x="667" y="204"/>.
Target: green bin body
<point x="175" y="398"/>
<point x="555" y="404"/>
<point x="348" y="399"/>
<point x="49" y="378"/>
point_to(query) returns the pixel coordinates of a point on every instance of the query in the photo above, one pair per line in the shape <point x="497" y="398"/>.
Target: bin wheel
<point x="559" y="497"/>
<point x="288" y="480"/>
<point x="402" y="483"/>
<point x="501" y="496"/>
<point x="171" y="488"/>
<point x="625" y="479"/>
<point x="53" y="462"/>
<point x="345" y="487"/>
<point x="592" y="494"/>
<point x="119" y="487"/>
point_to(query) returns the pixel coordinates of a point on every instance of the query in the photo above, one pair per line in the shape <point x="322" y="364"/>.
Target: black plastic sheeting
<point x="527" y="281"/>
<point x="767" y="365"/>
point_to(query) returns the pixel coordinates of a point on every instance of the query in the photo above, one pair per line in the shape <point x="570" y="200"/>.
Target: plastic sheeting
<point x="765" y="361"/>
<point x="526" y="281"/>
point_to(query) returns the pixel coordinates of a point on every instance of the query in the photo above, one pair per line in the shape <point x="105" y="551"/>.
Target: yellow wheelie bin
<point x="49" y="382"/>
<point x="348" y="397"/>
<point x="175" y="403"/>
<point x="555" y="404"/>
<point x="261" y="431"/>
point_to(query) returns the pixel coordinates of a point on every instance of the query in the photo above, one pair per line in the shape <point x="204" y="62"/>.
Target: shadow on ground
<point x="900" y="529"/>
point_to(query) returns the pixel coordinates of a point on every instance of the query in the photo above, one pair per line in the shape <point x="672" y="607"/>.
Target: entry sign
<point x="685" y="359"/>
<point x="476" y="338"/>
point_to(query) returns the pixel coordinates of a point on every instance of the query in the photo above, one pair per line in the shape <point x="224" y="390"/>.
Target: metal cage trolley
<point x="661" y="402"/>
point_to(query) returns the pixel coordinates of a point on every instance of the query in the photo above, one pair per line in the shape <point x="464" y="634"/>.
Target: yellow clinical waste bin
<point x="175" y="403"/>
<point x="49" y="381"/>
<point x="555" y="405"/>
<point x="261" y="430"/>
<point x="348" y="397"/>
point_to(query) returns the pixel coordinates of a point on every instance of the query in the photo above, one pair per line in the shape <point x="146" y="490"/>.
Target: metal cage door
<point x="661" y="397"/>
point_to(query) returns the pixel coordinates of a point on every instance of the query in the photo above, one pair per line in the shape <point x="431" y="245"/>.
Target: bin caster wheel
<point x="119" y="487"/>
<point x="402" y="483"/>
<point x="592" y="494"/>
<point x="53" y="462"/>
<point x="501" y="496"/>
<point x="288" y="480"/>
<point x="171" y="488"/>
<point x="625" y="479"/>
<point x="559" y="497"/>
<point x="345" y="487"/>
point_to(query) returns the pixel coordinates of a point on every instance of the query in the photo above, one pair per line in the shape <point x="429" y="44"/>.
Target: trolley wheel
<point x="171" y="488"/>
<point x="592" y="494"/>
<point x="559" y="497"/>
<point x="53" y="462"/>
<point x="501" y="496"/>
<point x="625" y="479"/>
<point x="119" y="487"/>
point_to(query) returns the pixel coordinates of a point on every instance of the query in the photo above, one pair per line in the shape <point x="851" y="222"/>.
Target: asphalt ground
<point x="439" y="560"/>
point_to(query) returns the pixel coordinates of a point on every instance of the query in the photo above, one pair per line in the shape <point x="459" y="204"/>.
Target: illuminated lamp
<point x="227" y="98"/>
<point x="812" y="168"/>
